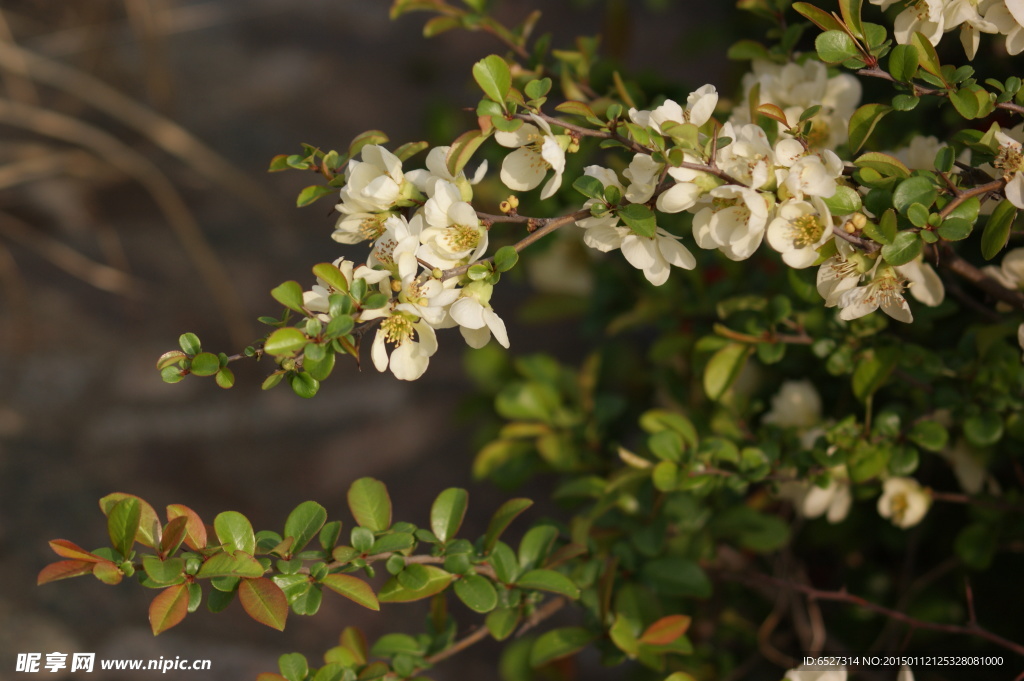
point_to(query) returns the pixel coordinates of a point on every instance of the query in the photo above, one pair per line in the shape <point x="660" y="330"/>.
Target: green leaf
<point x="304" y="523"/>
<point x="983" y="430"/>
<point x="505" y="258"/>
<point x="264" y="601"/>
<point x="205" y="364"/>
<point x="502" y="622"/>
<point x="293" y="666"/>
<point x="535" y="546"/>
<point x="657" y="420"/>
<point x="926" y="55"/>
<point x="312" y="193"/>
<point x="817" y="16"/>
<point x="494" y="77"/>
<point x="164" y="572"/>
<point x="955" y="229"/>
<point x="413" y="577"/>
<point x="502" y="518"/>
<point x="234" y="532"/>
<point x="123" y="523"/>
<point x="575" y="108"/>
<point x="289" y="294"/>
<point x="536" y="89"/>
<point x="365" y="138"/>
<point x="885" y="164"/>
<point x="477" y="593"/>
<point x="549" y="580"/>
<point x="353" y="589"/>
<point x="676" y="576"/>
<point x="997" y="229"/>
<point x="394" y="592"/>
<point x="462" y="150"/>
<point x="873" y="371"/>
<point x="370" y="504"/>
<point x="303" y="384"/>
<point x="723" y="368"/>
<point x="863" y="123"/>
<point x="170" y="359"/>
<point x="914" y="190"/>
<point x="639" y="218"/>
<point x="850" y="10"/>
<point x="238" y="564"/>
<point x="189" y="343"/>
<point x="976" y="545"/>
<point x="332" y="275"/>
<point x="904" y="248"/>
<point x="903" y="63"/>
<point x="559" y="643"/>
<point x="225" y="378"/>
<point x="845" y="201"/>
<point x="745" y="50"/>
<point x="623" y="635"/>
<point x="447" y="512"/>
<point x="285" y="342"/>
<point x="168" y="608"/>
<point x="930" y="435"/>
<point x="835" y="47"/>
<point x="590" y="187"/>
<point x="393" y="541"/>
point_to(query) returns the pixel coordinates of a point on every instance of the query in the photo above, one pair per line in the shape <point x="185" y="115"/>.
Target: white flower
<point x="905" y="674"/>
<point x="749" y="158"/>
<point x="700" y="105"/>
<point x="797" y="405"/>
<point x="476" y="320"/>
<point x="1010" y="162"/>
<point x="689" y="187"/>
<point x="537" y="150"/>
<point x="796" y="87"/>
<point x="373" y="186"/>
<point x="437" y="169"/>
<point x="804" y="673"/>
<point x="655" y="254"/>
<point x="453" y="234"/>
<point x="1008" y="18"/>
<point x="413" y="339"/>
<point x="884" y="291"/>
<point x="924" y="284"/>
<point x="803" y="175"/>
<point x="734" y="222"/>
<point x="969" y="466"/>
<point x="643" y="174"/>
<point x="812" y="501"/>
<point x="799" y="229"/>
<point x="923" y="16"/>
<point x="840" y="273"/>
<point x="903" y="501"/>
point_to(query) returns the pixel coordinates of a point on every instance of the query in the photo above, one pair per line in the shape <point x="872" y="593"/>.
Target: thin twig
<point x="844" y="596"/>
<point x="918" y="90"/>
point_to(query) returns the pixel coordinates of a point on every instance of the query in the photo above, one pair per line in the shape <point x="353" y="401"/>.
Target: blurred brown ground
<point x="82" y="410"/>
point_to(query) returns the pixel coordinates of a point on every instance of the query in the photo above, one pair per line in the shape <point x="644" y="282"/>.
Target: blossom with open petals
<point x="373" y="187"/>
<point x="734" y="223"/>
<point x="799" y="229"/>
<point x="885" y="291"/>
<point x="475" y="317"/>
<point x="537" y="150"/>
<point x="903" y="501"/>
<point x="700" y="104"/>
<point x="413" y="341"/>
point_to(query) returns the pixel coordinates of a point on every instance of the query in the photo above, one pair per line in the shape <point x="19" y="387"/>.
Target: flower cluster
<point x="408" y="255"/>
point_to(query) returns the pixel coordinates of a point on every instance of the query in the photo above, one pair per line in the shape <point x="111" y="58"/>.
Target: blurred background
<point x="134" y="206"/>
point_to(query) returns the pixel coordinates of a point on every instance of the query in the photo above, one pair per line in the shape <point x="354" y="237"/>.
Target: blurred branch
<point x="71" y="261"/>
<point x="19" y="87"/>
<point x="165" y="133"/>
<point x="138" y="167"/>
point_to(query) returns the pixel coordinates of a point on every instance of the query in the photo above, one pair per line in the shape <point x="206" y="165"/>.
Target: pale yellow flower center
<point x="462" y="237"/>
<point x="1010" y="159"/>
<point x="805" y="231"/>
<point x="397" y="329"/>
<point x="373" y="227"/>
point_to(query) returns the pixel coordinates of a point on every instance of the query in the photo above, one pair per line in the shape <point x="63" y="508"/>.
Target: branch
<point x="918" y="90"/>
<point x="546" y="226"/>
<point x="954" y="263"/>
<point x="541" y="614"/>
<point x="842" y="596"/>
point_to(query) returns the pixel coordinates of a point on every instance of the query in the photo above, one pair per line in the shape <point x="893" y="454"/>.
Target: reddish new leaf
<point x="665" y="631"/>
<point x="195" y="532"/>
<point x="264" y="602"/>
<point x="64" y="569"/>
<point x="67" y="549"/>
<point x="174" y="533"/>
<point x="107" y="572"/>
<point x="168" y="608"/>
<point x="353" y="589"/>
